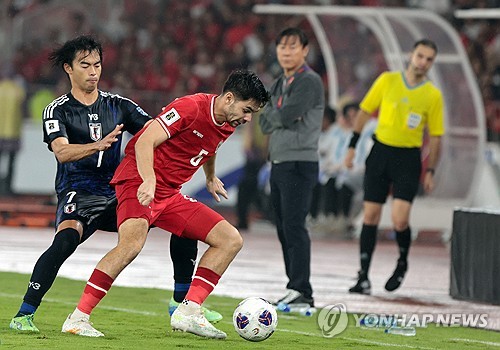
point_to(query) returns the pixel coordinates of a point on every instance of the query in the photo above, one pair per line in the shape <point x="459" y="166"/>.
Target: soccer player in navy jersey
<point x="158" y="161"/>
<point x="84" y="130"/>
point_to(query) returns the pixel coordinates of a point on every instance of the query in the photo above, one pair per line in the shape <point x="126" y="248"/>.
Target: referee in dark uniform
<point x="84" y="130"/>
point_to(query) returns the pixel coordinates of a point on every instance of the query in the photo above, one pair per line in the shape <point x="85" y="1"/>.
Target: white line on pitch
<point x="465" y="340"/>
<point x="147" y="313"/>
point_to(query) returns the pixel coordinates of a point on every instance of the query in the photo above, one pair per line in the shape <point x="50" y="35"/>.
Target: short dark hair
<point x="426" y="42"/>
<point x="348" y="106"/>
<point x="67" y="52"/>
<point x="293" y="31"/>
<point x="246" y="85"/>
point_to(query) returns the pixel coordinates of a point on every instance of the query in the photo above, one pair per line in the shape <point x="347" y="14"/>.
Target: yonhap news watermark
<point x="333" y="320"/>
<point x="422" y="320"/>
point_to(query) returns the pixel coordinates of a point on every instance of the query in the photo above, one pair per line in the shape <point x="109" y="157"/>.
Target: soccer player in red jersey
<point x="158" y="161"/>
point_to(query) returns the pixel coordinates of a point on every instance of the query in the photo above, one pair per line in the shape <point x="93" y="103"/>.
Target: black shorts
<point x="396" y="166"/>
<point x="94" y="212"/>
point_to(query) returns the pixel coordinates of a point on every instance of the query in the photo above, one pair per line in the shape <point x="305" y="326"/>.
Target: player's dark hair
<point x="67" y="52"/>
<point x="426" y="42"/>
<point x="246" y="85"/>
<point x="293" y="31"/>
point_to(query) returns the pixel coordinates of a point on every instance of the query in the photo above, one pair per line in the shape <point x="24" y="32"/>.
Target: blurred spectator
<point x="44" y="95"/>
<point x="332" y="148"/>
<point x="324" y="191"/>
<point x="349" y="182"/>
<point x="12" y="95"/>
<point x="177" y="49"/>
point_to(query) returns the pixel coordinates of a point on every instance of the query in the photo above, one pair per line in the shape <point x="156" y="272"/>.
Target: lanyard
<point x="287" y="82"/>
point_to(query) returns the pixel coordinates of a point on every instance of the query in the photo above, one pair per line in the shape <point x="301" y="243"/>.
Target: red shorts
<point x="178" y="214"/>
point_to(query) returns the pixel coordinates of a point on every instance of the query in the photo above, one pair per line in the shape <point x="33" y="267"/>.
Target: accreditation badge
<point x="414" y="120"/>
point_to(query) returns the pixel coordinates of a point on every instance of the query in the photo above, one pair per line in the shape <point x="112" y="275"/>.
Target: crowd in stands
<point x="158" y="50"/>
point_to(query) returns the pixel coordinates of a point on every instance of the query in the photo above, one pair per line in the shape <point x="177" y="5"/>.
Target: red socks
<point x="204" y="282"/>
<point x="97" y="286"/>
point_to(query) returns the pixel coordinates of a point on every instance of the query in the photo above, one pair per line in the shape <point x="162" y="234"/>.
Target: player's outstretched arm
<point x="69" y="152"/>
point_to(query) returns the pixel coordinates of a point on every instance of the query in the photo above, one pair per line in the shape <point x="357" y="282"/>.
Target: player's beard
<point x="419" y="72"/>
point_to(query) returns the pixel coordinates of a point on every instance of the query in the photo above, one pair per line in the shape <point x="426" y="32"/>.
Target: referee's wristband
<point x="430" y="170"/>
<point x="354" y="139"/>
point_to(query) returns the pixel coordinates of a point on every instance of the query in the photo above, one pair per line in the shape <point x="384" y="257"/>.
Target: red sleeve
<point x="178" y="115"/>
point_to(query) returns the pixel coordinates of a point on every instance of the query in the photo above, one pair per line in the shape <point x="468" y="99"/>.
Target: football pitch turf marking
<point x="465" y="340"/>
<point x="356" y="340"/>
<point x="104" y="307"/>
<point x="147" y="313"/>
<point x="386" y="344"/>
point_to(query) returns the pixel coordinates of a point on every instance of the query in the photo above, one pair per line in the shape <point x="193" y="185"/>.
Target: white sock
<point x="188" y="307"/>
<point x="77" y="314"/>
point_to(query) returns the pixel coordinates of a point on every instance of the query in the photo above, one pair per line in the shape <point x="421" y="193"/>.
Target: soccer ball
<point x="255" y="319"/>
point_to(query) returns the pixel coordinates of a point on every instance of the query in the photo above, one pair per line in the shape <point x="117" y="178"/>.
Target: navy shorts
<point x="388" y="166"/>
<point x="94" y="212"/>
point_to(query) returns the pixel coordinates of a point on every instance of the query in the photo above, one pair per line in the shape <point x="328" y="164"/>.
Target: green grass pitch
<point x="137" y="318"/>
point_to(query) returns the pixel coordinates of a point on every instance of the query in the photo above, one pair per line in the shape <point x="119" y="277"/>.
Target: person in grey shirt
<point x="293" y="119"/>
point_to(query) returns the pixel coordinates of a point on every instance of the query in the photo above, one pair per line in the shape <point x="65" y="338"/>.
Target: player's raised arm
<point x="71" y="152"/>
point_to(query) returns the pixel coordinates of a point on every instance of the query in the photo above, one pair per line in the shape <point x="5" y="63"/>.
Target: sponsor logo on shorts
<point x="186" y="197"/>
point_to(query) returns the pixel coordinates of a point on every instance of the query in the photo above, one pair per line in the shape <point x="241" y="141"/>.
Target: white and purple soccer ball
<point x="255" y="319"/>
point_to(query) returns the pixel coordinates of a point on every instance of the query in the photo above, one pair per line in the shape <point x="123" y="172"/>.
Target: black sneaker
<point x="363" y="285"/>
<point x="397" y="277"/>
<point x="295" y="297"/>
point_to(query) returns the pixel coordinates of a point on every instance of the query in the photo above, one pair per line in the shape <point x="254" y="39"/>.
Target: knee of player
<point x="234" y="240"/>
<point x="371" y="219"/>
<point x="226" y="237"/>
<point x="400" y="225"/>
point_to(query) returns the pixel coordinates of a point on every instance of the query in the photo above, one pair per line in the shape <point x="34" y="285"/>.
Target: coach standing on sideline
<point x="408" y="102"/>
<point x="294" y="121"/>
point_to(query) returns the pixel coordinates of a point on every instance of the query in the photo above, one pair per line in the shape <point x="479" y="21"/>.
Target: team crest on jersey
<point x="51" y="126"/>
<point x="69" y="208"/>
<point x="169" y="117"/>
<point x="95" y="131"/>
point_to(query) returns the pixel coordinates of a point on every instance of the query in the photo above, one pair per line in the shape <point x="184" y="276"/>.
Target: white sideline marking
<point x="147" y="313"/>
<point x="465" y="340"/>
<point x="387" y="344"/>
<point x="50" y="300"/>
<point x="353" y="339"/>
